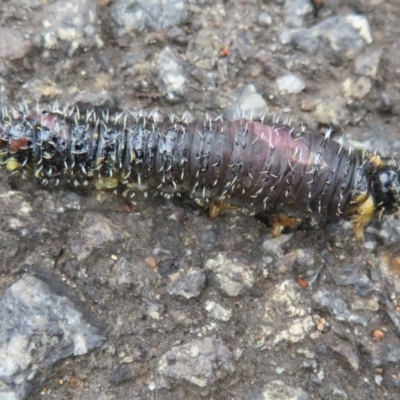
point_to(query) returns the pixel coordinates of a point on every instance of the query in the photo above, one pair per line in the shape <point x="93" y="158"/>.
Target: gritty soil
<point x="121" y="261"/>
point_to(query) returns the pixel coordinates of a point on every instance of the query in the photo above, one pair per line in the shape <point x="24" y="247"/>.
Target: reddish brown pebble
<point x="320" y="327"/>
<point x="377" y="334"/>
<point x="151" y="262"/>
<point x="302" y="282"/>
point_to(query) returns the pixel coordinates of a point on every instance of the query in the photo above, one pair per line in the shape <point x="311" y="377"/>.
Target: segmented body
<point x="245" y="163"/>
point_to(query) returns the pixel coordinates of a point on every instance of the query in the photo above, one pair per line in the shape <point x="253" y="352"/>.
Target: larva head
<point x="386" y="187"/>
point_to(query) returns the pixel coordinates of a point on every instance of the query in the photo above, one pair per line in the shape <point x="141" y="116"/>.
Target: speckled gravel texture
<point x="178" y="306"/>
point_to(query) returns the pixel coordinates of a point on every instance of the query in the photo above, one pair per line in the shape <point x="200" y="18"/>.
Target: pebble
<point x="328" y="301"/>
<point x="368" y="64"/>
<point x="40" y="327"/>
<point x="96" y="230"/>
<point x="218" y="312"/>
<point x="171" y="79"/>
<point x="189" y="284"/>
<point x="298" y="13"/>
<point x="290" y="84"/>
<point x="13" y="46"/>
<point x="201" y="362"/>
<point x="264" y="19"/>
<point x="348" y="353"/>
<point x="278" y="390"/>
<point x="232" y="274"/>
<point x="132" y="16"/>
<point x="357" y="88"/>
<point x="249" y="104"/>
<point x="341" y="38"/>
<point x="71" y="25"/>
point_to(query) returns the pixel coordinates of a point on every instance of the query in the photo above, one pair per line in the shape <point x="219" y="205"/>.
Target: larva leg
<point x="283" y="221"/>
<point x="363" y="212"/>
<point x="375" y="160"/>
<point x="216" y="207"/>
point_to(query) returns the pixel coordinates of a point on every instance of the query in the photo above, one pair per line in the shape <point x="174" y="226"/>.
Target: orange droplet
<point x="226" y="51"/>
<point x="302" y="282"/>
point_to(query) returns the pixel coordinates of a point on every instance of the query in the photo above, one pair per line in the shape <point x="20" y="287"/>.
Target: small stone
<point x="360" y="23"/>
<point x="290" y="84"/>
<point x="12" y="44"/>
<point x="132" y="16"/>
<point x="200" y="362"/>
<point x="278" y="390"/>
<point x="307" y="105"/>
<point x="274" y="245"/>
<point x="96" y="230"/>
<point x="330" y="302"/>
<point x="249" y="104"/>
<point x="298" y="12"/>
<point x="341" y="38"/>
<point x="71" y="25"/>
<point x="357" y="88"/>
<point x="177" y="35"/>
<point x="297" y="331"/>
<point x="378" y="380"/>
<point x="171" y="79"/>
<point x="321" y="325"/>
<point x="189" y="284"/>
<point x="264" y="19"/>
<point x="331" y="111"/>
<point x="233" y="274"/>
<point x="365" y="305"/>
<point x="39" y="327"/>
<point x="155" y="310"/>
<point x="367" y="65"/>
<point x="216" y="311"/>
<point x="349" y="354"/>
<point x="40" y="89"/>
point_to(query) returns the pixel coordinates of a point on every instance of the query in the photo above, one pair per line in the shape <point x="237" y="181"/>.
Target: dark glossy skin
<point x="244" y="163"/>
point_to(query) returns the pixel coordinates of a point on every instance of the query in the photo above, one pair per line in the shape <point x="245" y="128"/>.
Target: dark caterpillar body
<point x="243" y="163"/>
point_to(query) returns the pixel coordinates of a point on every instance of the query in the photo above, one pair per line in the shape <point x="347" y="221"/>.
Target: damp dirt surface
<point x="153" y="299"/>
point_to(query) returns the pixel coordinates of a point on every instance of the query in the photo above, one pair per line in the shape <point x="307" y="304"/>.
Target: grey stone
<point x="340" y="37"/>
<point x="368" y="64"/>
<point x="278" y="390"/>
<point x="297" y="12"/>
<point x="13" y="45"/>
<point x="71" y="25"/>
<point x="189" y="284"/>
<point x="384" y="353"/>
<point x="200" y="362"/>
<point x="96" y="230"/>
<point x="233" y="274"/>
<point x="203" y="50"/>
<point x="218" y="312"/>
<point x="38" y="329"/>
<point x="131" y="16"/>
<point x="328" y="301"/>
<point x="353" y="275"/>
<point x="349" y="354"/>
<point x="171" y="79"/>
<point x="264" y="19"/>
<point x="250" y="104"/>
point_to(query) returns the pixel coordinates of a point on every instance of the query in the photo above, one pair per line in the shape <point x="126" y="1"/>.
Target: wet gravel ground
<point x="100" y="300"/>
